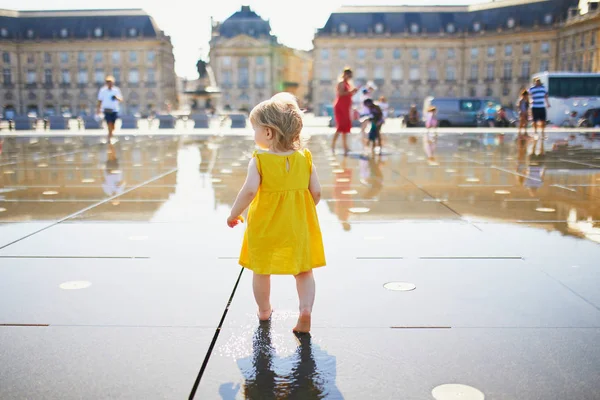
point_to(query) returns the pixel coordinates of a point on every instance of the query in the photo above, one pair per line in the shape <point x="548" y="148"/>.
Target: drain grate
<point x="24" y="325"/>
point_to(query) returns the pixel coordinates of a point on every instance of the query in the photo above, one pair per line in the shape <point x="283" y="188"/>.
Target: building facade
<point x="250" y="65"/>
<point x="55" y="61"/>
<point x="411" y="52"/>
<point x="579" y="39"/>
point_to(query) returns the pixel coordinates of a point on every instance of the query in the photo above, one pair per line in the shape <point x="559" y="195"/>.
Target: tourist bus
<point x="570" y="93"/>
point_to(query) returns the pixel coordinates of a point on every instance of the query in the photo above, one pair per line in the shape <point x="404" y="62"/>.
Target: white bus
<point x="569" y="93"/>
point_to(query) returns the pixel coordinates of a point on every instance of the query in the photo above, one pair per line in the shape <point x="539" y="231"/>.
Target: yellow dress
<point x="282" y="233"/>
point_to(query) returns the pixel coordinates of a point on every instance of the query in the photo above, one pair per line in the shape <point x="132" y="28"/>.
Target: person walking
<point x="283" y="235"/>
<point x="341" y="109"/>
<point x="539" y="103"/>
<point x="109" y="98"/>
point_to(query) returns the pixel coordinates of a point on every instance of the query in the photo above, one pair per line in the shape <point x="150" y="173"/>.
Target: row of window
<point x="451" y="27"/>
<point x="243" y="77"/>
<point x="31" y="76"/>
<point x="65" y="33"/>
<point x="397" y="72"/>
<point x="581" y="39"/>
<point x="82" y="57"/>
<point x="226" y="61"/>
<point x="361" y="54"/>
<point x="579" y="64"/>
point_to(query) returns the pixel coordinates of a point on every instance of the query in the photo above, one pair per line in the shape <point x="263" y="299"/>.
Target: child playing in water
<point x="283" y="236"/>
<point x="376" y="120"/>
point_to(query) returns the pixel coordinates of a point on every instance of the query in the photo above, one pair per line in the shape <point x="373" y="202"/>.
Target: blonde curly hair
<point x="283" y="116"/>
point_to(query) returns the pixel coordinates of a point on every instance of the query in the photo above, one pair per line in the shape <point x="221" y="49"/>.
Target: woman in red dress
<point x="341" y="109"/>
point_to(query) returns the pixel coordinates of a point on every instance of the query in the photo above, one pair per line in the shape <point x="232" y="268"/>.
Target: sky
<point x="188" y="22"/>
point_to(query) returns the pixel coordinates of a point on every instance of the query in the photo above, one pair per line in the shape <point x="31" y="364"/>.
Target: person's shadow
<point x="306" y="375"/>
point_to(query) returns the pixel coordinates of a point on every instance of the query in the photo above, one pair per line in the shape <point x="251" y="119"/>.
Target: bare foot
<point x="265" y="315"/>
<point x="303" y="324"/>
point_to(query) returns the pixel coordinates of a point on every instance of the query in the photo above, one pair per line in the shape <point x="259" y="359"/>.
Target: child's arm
<point x="246" y="194"/>
<point x="314" y="186"/>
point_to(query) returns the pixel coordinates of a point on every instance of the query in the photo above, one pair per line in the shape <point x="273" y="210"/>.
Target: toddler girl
<point x="282" y="189"/>
<point x="431" y="121"/>
<point x="430" y="139"/>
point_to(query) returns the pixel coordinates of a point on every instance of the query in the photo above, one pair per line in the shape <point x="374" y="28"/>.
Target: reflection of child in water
<point x="371" y="176"/>
<point x="309" y="373"/>
<point x="113" y="176"/>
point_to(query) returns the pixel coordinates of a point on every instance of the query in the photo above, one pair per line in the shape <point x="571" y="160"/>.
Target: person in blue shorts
<point x="539" y="102"/>
<point x="109" y="98"/>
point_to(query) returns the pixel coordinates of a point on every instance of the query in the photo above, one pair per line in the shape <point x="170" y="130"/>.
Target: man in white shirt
<point x="109" y="98"/>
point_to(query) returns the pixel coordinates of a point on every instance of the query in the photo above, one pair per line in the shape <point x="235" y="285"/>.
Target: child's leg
<point x="261" y="285"/>
<point x="305" y="284"/>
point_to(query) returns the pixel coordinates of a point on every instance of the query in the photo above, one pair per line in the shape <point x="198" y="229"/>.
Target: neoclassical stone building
<point x="250" y="64"/>
<point x="490" y="49"/>
<point x="55" y="61"/>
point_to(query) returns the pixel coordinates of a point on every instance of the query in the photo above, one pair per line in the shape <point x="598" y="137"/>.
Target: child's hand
<point x="233" y="221"/>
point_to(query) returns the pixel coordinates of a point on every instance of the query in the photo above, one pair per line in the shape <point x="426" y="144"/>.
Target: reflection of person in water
<point x="343" y="202"/>
<point x="311" y="376"/>
<point x="113" y="176"/>
<point x="522" y="143"/>
<point x="535" y="174"/>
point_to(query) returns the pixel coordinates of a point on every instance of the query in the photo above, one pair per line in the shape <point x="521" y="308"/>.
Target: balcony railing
<point x="8" y="85"/>
<point x="65" y="85"/>
<point x="150" y="84"/>
<point x="30" y="85"/>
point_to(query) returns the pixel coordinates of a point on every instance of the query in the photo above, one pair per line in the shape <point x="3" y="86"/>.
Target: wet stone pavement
<point x="119" y="276"/>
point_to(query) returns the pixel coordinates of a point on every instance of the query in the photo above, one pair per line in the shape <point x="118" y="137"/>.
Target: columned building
<point x="55" y="61"/>
<point x="579" y="39"/>
<point x="411" y="52"/>
<point x="250" y="65"/>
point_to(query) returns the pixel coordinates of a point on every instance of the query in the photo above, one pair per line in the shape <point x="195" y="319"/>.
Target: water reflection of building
<point x="74" y="168"/>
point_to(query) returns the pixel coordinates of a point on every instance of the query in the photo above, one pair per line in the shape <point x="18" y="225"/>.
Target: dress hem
<point x="319" y="265"/>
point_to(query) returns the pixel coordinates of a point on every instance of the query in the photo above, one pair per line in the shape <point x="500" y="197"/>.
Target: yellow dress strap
<point x="308" y="156"/>
<point x="255" y="155"/>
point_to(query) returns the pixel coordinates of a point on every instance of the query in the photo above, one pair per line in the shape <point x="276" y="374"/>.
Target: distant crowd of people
<point x="531" y="104"/>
